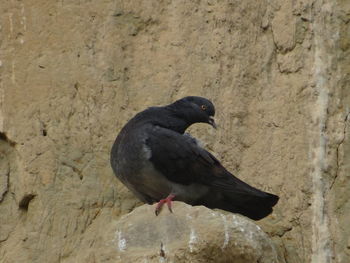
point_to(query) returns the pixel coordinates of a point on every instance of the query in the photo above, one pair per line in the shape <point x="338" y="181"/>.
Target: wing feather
<point x="182" y="160"/>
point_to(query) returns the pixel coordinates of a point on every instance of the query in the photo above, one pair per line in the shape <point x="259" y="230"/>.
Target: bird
<point x="157" y="160"/>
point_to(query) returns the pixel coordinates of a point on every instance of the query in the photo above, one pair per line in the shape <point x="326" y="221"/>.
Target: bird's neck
<point x="170" y="119"/>
<point x="178" y="127"/>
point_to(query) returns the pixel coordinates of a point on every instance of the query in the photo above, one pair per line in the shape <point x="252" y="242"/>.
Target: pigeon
<point x="160" y="163"/>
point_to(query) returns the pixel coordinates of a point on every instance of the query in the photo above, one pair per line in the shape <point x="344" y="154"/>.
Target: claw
<point x="162" y="202"/>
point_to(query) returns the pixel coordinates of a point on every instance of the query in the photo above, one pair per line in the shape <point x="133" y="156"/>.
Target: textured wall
<point x="73" y="72"/>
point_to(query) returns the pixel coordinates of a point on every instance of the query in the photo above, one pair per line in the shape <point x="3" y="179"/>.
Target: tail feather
<point x="234" y="195"/>
<point x="255" y="206"/>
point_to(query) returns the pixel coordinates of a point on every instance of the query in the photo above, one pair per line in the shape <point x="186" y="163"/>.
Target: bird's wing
<point x="182" y="160"/>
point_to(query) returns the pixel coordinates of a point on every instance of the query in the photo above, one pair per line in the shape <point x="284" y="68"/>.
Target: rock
<point x="190" y="234"/>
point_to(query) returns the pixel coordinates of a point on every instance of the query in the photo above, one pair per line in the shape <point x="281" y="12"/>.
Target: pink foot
<point x="162" y="202"/>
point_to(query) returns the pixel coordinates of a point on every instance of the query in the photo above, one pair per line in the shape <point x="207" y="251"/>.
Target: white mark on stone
<point x="227" y="236"/>
<point x="21" y="41"/>
<point x="258" y="228"/>
<point x="193" y="240"/>
<point x="321" y="244"/>
<point x="162" y="258"/>
<point x="236" y="223"/>
<point x="121" y="241"/>
<point x="23" y="20"/>
<point x="0" y="63"/>
<point x="11" y="23"/>
<point x="234" y="220"/>
<point x="13" y="75"/>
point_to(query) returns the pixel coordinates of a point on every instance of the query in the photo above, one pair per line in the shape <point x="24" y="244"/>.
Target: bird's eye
<point x="203" y="107"/>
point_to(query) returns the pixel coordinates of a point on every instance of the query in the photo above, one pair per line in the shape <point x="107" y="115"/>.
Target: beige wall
<point x="73" y="72"/>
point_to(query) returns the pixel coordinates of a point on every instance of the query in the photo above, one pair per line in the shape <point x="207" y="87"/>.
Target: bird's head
<point x="195" y="109"/>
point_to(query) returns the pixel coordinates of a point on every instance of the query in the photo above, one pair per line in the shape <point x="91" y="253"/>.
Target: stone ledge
<point x="190" y="234"/>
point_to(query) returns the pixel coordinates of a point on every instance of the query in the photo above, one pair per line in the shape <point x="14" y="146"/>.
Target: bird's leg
<point x="162" y="202"/>
<point x="169" y="199"/>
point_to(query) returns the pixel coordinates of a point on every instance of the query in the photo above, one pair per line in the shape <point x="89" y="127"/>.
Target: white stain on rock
<point x="121" y="241"/>
<point x="193" y="240"/>
<point x="226" y="234"/>
<point x="11" y="23"/>
<point x="13" y="74"/>
<point x="321" y="245"/>
<point x="23" y="18"/>
<point x="162" y="258"/>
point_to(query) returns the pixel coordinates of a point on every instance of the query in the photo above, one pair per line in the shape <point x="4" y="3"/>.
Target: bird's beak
<point x="212" y="122"/>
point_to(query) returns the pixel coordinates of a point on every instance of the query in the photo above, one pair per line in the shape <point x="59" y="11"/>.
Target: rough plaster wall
<point x="338" y="128"/>
<point x="73" y="72"/>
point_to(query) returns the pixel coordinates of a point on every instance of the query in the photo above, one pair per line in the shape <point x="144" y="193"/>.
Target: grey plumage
<point x="153" y="157"/>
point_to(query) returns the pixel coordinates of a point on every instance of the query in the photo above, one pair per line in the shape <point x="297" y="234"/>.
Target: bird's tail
<point x="231" y="194"/>
<point x="255" y="206"/>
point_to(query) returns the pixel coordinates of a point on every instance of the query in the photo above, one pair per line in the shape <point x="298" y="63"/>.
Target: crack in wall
<point x="25" y="200"/>
<point x="6" y="187"/>
<point x="337" y="150"/>
<point x="3" y="137"/>
<point x="74" y="169"/>
<point x="6" y="146"/>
